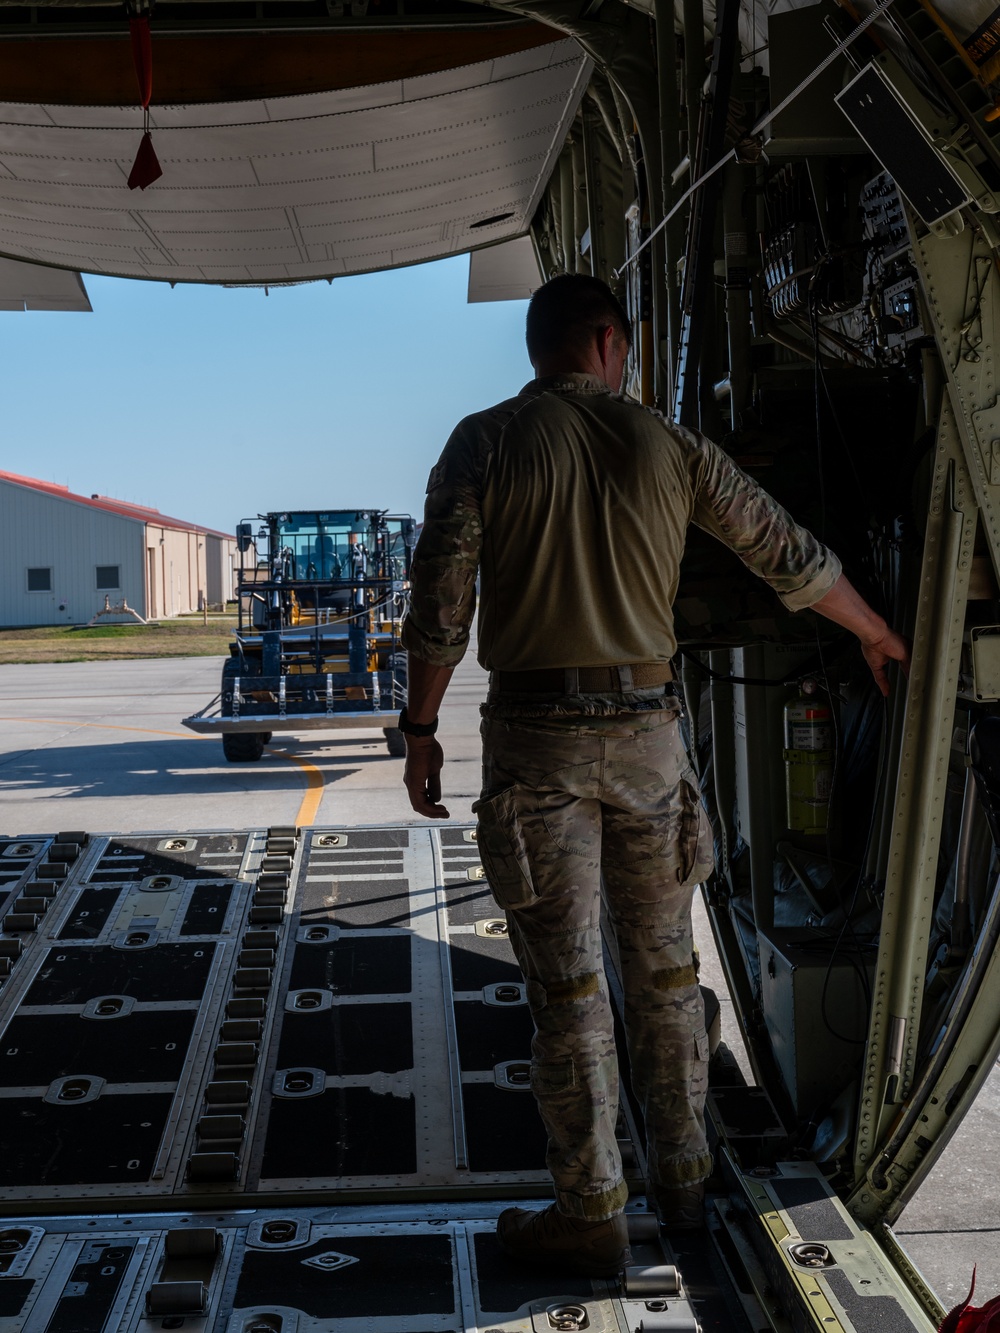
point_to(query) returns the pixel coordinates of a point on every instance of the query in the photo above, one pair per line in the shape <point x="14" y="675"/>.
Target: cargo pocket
<point x="554" y="1077"/>
<point x="501" y="846"/>
<point x="696" y="853"/>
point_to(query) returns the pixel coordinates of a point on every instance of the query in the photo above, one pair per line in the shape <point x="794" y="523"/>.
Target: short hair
<point x="568" y="310"/>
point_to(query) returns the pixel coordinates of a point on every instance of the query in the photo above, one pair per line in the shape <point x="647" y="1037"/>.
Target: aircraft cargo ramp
<point x="277" y="1081"/>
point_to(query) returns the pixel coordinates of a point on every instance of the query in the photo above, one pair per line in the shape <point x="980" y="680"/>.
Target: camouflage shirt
<point x="572" y="503"/>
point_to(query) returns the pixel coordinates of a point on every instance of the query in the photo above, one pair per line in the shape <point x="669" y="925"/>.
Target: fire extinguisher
<point x="808" y="760"/>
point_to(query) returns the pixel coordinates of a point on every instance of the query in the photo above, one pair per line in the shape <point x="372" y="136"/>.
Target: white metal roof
<point x="293" y="188"/>
<point x="32" y="287"/>
<point x="507" y="272"/>
<point x="127" y="509"/>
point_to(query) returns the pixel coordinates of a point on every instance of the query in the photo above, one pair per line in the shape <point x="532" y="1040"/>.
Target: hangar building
<point x="62" y="554"/>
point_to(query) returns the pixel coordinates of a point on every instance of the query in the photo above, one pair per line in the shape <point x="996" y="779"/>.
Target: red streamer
<point x="969" y="1318"/>
<point x="146" y="167"/>
<point x="142" y="58"/>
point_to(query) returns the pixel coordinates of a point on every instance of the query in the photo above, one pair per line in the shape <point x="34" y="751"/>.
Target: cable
<point x="790" y="679"/>
<point x="761" y="124"/>
<point x="840" y="340"/>
<point x="820" y="380"/>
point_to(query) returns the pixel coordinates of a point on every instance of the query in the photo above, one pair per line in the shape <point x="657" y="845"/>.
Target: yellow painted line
<point x="108" y="726"/>
<point x="309" y="807"/>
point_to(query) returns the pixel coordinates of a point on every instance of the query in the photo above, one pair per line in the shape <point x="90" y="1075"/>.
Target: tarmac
<point x="100" y="746"/>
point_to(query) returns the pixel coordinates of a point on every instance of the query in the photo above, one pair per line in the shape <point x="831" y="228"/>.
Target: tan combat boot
<point x="565" y="1244"/>
<point x="679" y="1207"/>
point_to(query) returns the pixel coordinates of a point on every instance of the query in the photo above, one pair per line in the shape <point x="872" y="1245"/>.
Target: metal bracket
<point x="308" y="1001"/>
<point x="108" y="1006"/>
<point x="160" y="884"/>
<point x="568" y="1316"/>
<point x="21" y="851"/>
<point x="505" y="994"/>
<point x="317" y="934"/>
<point x="136" y="939"/>
<point x="330" y="840"/>
<point x="492" y="929"/>
<point x="256" y="1320"/>
<point x="513" y="1075"/>
<point x="17" y="1248"/>
<point x="279" y="1233"/>
<point x="177" y="844"/>
<point x="74" y="1090"/>
<point x="985" y="640"/>
<point x="298" y="1083"/>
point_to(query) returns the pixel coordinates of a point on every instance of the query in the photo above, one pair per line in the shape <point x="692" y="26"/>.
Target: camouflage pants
<point x="572" y="805"/>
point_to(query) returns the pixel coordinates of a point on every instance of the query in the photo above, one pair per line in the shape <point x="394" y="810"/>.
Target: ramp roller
<point x="651" y="1280"/>
<point x="176" y="1298"/>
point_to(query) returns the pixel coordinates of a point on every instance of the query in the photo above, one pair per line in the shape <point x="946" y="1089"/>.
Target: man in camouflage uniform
<point x="572" y="504"/>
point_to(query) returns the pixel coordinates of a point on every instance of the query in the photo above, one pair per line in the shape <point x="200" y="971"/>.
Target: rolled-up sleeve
<point x="446" y="560"/>
<point x="731" y="506"/>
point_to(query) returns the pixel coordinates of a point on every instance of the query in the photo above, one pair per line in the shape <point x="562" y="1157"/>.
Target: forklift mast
<point x="317" y="567"/>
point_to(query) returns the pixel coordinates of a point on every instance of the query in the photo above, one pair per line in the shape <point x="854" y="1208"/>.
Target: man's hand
<point x="844" y="605"/>
<point x="422" y="776"/>
<point x="424" y="756"/>
<point x="890" y="647"/>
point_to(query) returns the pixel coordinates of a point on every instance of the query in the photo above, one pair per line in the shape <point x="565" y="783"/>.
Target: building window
<point x="39" y="580"/>
<point x="108" y="577"/>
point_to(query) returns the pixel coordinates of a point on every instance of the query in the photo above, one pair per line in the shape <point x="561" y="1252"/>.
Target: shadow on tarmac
<point x="162" y="767"/>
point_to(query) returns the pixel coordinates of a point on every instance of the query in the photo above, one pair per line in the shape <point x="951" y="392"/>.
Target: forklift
<point x="321" y="596"/>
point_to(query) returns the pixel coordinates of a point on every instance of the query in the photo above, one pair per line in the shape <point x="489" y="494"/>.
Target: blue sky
<point x="212" y="405"/>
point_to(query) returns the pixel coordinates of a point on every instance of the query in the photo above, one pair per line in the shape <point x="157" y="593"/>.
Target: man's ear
<point x="606" y="343"/>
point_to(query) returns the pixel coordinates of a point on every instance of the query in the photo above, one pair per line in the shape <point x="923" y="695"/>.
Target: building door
<point x="151" y="612"/>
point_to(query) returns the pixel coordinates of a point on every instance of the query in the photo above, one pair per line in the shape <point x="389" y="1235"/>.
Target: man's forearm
<point x="844" y="605"/>
<point x="880" y="644"/>
<point x="425" y="688"/>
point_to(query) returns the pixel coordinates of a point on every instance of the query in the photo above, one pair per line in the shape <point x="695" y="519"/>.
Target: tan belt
<point x="583" y="680"/>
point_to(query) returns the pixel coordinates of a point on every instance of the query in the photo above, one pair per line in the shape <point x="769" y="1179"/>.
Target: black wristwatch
<point x="409" y="728"/>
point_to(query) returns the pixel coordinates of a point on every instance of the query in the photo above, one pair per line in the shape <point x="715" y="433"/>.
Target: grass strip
<point x="106" y="643"/>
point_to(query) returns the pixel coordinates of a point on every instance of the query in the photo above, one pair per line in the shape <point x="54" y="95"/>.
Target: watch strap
<point x="409" y="728"/>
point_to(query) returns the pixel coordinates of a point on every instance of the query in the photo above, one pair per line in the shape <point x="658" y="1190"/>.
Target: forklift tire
<point x="395" y="742"/>
<point x="243" y="747"/>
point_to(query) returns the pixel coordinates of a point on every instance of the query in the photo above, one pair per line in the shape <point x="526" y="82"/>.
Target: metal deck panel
<point x="349" y="1270"/>
<point x="215" y="1017"/>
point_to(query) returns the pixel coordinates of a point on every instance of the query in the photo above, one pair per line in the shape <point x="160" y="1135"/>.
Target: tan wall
<point x="185" y="569"/>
